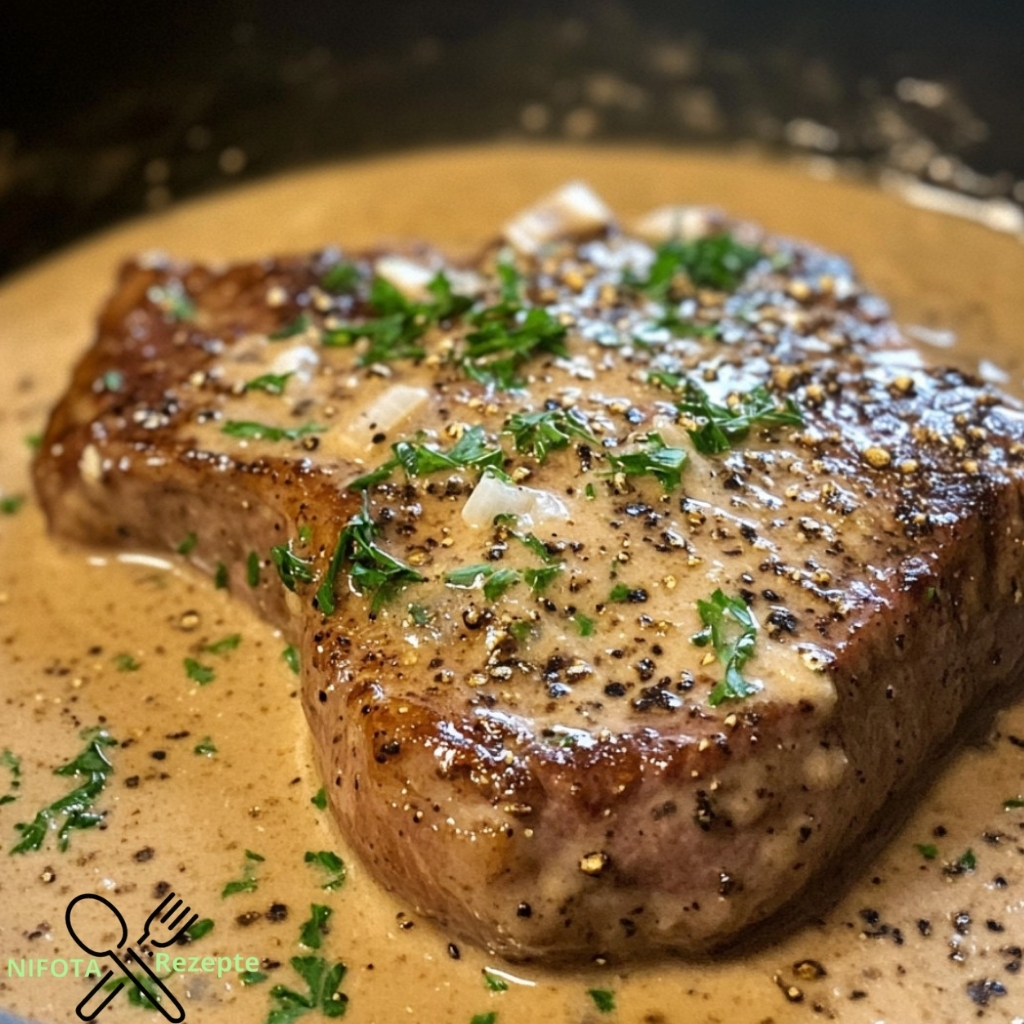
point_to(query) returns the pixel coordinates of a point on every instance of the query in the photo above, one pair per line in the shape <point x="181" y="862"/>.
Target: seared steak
<point x="630" y="578"/>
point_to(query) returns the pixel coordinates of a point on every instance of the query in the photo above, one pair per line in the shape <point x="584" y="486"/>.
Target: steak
<point x="631" y="572"/>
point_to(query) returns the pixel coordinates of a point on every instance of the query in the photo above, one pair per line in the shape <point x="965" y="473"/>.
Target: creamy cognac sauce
<point x="912" y="937"/>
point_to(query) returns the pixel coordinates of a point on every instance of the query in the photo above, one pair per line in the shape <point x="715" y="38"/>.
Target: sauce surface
<point x="918" y="937"/>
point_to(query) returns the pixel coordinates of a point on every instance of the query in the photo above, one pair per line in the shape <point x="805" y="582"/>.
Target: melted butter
<point x="183" y="819"/>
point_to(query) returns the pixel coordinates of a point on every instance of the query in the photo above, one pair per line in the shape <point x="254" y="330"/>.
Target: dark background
<point x="109" y="109"/>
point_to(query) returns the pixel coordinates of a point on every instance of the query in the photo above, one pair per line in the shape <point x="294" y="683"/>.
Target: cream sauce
<point x="184" y="819"/>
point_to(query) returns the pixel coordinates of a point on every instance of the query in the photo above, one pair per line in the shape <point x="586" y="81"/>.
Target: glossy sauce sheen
<point x="189" y="818"/>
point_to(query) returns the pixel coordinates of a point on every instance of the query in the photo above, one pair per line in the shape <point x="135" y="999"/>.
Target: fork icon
<point x="174" y="928"/>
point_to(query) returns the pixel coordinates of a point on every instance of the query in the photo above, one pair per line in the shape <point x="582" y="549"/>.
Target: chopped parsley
<point x="484" y="1018"/>
<point x="967" y="861"/>
<point x="188" y="544"/>
<point x="373" y="572"/>
<point x="496" y="352"/>
<point x="342" y="277"/>
<point x="497" y="581"/>
<point x="730" y="627"/>
<point x="205" y="747"/>
<point x="420" y="614"/>
<point x="126" y="663"/>
<point x="248" y="882"/>
<point x="264" y="432"/>
<point x="271" y="383"/>
<point x="291" y="657"/>
<point x="717" y="261"/>
<point x="299" y="325"/>
<point x="585" y="626"/>
<point x="1013" y="803"/>
<point x="603" y="999"/>
<point x="13" y="764"/>
<point x="665" y="464"/>
<point x="75" y="809"/>
<point x="330" y="863"/>
<point x="537" y="433"/>
<point x="110" y="381"/>
<point x="220" y="576"/>
<point x="927" y="850"/>
<point x="314" y="930"/>
<point x="418" y="459"/>
<point x="718" y="427"/>
<point x="229" y="643"/>
<point x="400" y="323"/>
<point x="290" y="567"/>
<point x="202" y="927"/>
<point x="252" y="569"/>
<point x="11" y="503"/>
<point x="322" y="984"/>
<point x="494" y="983"/>
<point x="146" y="998"/>
<point x="248" y="978"/>
<point x="198" y="672"/>
<point x="319" y="799"/>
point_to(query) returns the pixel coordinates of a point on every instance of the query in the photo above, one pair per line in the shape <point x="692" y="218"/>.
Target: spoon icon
<point x="178" y="1014"/>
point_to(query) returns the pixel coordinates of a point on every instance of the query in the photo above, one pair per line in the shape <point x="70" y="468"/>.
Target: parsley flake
<point x="290" y="567"/>
<point x="496" y="352"/>
<point x="248" y="882"/>
<point x="315" y="928"/>
<point x="205" y="747"/>
<point x="603" y="999"/>
<point x="220" y="576"/>
<point x="319" y="799"/>
<point x="299" y="325"/>
<point x="291" y="657"/>
<point x="494" y="982"/>
<point x="665" y="464"/>
<point x="229" y="643"/>
<point x="126" y="663"/>
<point x="75" y="809"/>
<point x="717" y="261"/>
<point x="718" y="427"/>
<point x="927" y="850"/>
<point x="537" y="433"/>
<point x="730" y="627"/>
<point x="13" y="764"/>
<point x="251" y="430"/>
<point x="373" y="572"/>
<point x="188" y="544"/>
<point x="202" y="927"/>
<point x="11" y="503"/>
<point x="271" y="383"/>
<point x="199" y="673"/>
<point x="330" y="863"/>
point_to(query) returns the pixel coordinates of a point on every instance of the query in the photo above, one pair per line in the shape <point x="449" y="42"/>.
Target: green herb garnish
<point x="319" y="800"/>
<point x="332" y="864"/>
<point x="248" y="882"/>
<point x="248" y="978"/>
<point x="264" y="432"/>
<point x="11" y="503"/>
<point x="13" y="764"/>
<point x="418" y="459"/>
<point x="75" y="810"/>
<point x="656" y="459"/>
<point x="220" y="576"/>
<point x="188" y="544"/>
<point x="229" y="643"/>
<point x="110" y="381"/>
<point x="967" y="861"/>
<point x="271" y="383"/>
<point x="173" y="300"/>
<point x="495" y="353"/>
<point x="585" y="626"/>
<point x="342" y="277"/>
<point x="202" y="927"/>
<point x="199" y="673"/>
<point x="927" y="850"/>
<point x="718" y="261"/>
<point x="374" y="573"/>
<point x="290" y="567"/>
<point x="291" y="657"/>
<point x="399" y="323"/>
<point x="730" y="627"/>
<point x="420" y="614"/>
<point x="126" y="663"/>
<point x="1013" y="803"/>
<point x="205" y="747"/>
<point x="494" y="983"/>
<point x="719" y="427"/>
<point x="603" y="999"/>
<point x="252" y="569"/>
<point x="322" y="983"/>
<point x="537" y="433"/>
<point x="144" y="1001"/>
<point x="299" y="325"/>
<point x="315" y="928"/>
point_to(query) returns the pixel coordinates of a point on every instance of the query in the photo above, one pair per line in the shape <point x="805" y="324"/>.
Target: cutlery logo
<point x="164" y="926"/>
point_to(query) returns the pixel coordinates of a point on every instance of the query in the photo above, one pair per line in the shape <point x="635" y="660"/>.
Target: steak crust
<point x="544" y="761"/>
